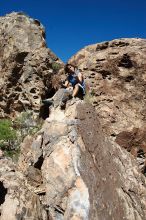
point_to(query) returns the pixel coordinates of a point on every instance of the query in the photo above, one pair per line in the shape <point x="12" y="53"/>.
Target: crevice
<point x="18" y="89"/>
<point x="144" y="171"/>
<point x="102" y="46"/>
<point x="3" y="192"/>
<point x="44" y="109"/>
<point x="129" y="78"/>
<point x="20" y="57"/>
<point x="44" y="112"/>
<point x="119" y="44"/>
<point x="125" y="62"/>
<point x="105" y="74"/>
<point x="15" y="76"/>
<point x="35" y="97"/>
<point x="113" y="135"/>
<point x="58" y="209"/>
<point x="41" y="193"/>
<point x="113" y="53"/>
<point x="39" y="163"/>
<point x="32" y="90"/>
<point x="100" y="60"/>
<point x="141" y="153"/>
<point x="50" y="93"/>
<point x="129" y="194"/>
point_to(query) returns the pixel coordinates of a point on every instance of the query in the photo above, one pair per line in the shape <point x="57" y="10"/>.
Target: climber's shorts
<point x="82" y="88"/>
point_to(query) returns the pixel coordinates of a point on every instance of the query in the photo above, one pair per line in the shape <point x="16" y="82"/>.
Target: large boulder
<point x="84" y="174"/>
<point x="28" y="69"/>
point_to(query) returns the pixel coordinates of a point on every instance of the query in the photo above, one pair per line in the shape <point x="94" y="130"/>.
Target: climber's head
<point x="69" y="68"/>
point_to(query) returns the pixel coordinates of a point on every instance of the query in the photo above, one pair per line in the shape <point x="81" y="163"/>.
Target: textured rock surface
<point x="26" y="65"/>
<point x="116" y="74"/>
<point x="17" y="199"/>
<point x="117" y="190"/>
<point x="71" y="170"/>
<point x="85" y="175"/>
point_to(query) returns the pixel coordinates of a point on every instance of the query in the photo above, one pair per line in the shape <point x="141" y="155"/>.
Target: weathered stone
<point x="74" y="167"/>
<point x="115" y="75"/>
<point x="85" y="174"/>
<point x="18" y="201"/>
<point x="27" y="68"/>
<point x="135" y="142"/>
<point x="114" y="193"/>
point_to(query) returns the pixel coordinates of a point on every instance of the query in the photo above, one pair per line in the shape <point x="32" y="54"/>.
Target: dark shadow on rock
<point x="3" y="192"/>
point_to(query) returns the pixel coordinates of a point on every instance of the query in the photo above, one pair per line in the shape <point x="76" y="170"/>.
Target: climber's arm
<point x="80" y="78"/>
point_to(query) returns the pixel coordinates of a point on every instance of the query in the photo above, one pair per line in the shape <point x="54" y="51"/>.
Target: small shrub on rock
<point x="56" y="66"/>
<point x="7" y="134"/>
<point x="13" y="133"/>
<point x="26" y="124"/>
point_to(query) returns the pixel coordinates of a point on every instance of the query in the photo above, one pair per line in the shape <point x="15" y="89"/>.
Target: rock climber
<point x="74" y="79"/>
<point x="74" y="84"/>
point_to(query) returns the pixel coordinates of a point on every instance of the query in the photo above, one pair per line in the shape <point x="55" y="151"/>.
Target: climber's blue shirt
<point x="72" y="79"/>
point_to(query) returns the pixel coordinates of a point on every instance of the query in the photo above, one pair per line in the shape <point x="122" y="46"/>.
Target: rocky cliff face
<point x="72" y="171"/>
<point x="77" y="166"/>
<point x="115" y="71"/>
<point x="116" y="74"/>
<point x="27" y="67"/>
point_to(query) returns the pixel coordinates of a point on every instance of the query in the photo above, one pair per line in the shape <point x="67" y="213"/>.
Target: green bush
<point x="7" y="133"/>
<point x="14" y="154"/>
<point x="12" y="134"/>
<point x="8" y="138"/>
<point x="56" y="66"/>
<point x="23" y="120"/>
<point x="26" y="124"/>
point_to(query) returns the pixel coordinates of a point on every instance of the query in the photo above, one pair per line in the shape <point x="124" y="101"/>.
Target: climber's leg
<point x="76" y="90"/>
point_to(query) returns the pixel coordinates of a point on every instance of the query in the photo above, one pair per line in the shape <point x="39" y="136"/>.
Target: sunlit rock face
<point x="115" y="74"/>
<point x="84" y="174"/>
<point x="76" y="167"/>
<point x="27" y="66"/>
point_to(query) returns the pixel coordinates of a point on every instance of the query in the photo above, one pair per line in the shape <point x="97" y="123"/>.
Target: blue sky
<point x="72" y="24"/>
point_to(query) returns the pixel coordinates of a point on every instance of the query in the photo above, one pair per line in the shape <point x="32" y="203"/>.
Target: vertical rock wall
<point x="27" y="67"/>
<point x="115" y="75"/>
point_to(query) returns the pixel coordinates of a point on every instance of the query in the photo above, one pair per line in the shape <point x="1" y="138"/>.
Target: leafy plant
<point x="12" y="153"/>
<point x="13" y="133"/>
<point x="7" y="134"/>
<point x="56" y="66"/>
<point x="26" y="124"/>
